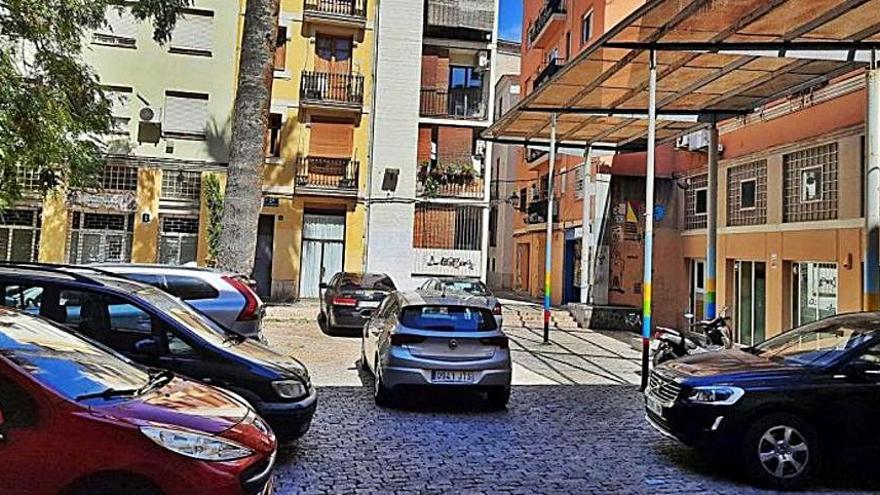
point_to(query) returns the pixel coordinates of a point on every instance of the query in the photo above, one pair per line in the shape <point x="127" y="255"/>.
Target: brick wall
<point x="434" y="228"/>
<point x="424" y="152"/>
<point x="455" y="143"/>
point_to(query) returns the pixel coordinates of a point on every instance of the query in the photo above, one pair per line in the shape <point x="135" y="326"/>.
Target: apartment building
<point x="172" y="131"/>
<point x="313" y="219"/>
<point x="428" y="194"/>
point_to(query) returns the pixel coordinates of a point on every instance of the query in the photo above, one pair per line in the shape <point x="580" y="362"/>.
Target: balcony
<point x="453" y="103"/>
<point x="550" y="68"/>
<point x="533" y="156"/>
<point x="351" y="13"/>
<point x="327" y="176"/>
<point x="548" y="23"/>
<point x="331" y="90"/>
<point x="537" y="212"/>
<point x="456" y="179"/>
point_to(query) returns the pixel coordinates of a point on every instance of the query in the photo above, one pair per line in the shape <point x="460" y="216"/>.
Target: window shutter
<point x="186" y="114"/>
<point x="194" y="32"/>
<point x="281" y="49"/>
<point x="120" y="25"/>
<point x="331" y="139"/>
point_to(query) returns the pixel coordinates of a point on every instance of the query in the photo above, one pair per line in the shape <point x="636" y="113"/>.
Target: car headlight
<point x="196" y="445"/>
<point x="716" y="396"/>
<point x="290" y="389"/>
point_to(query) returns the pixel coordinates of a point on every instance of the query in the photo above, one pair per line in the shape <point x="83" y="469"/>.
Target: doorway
<point x="750" y="294"/>
<point x="263" y="256"/>
<point x="571" y="269"/>
<point x="814" y="292"/>
<point x="522" y="267"/>
<point x="697" y="289"/>
<point x="322" y="252"/>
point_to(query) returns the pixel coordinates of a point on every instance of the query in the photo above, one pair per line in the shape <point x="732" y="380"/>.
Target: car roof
<point x="422" y="298"/>
<point x="69" y="273"/>
<point x="153" y="268"/>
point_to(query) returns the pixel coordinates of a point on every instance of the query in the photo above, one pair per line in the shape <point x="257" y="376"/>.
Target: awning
<point x="716" y="59"/>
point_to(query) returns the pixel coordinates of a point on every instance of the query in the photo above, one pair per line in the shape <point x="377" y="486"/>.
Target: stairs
<point x="533" y="317"/>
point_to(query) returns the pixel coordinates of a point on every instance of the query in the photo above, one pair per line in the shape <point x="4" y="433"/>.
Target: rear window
<point x="368" y="281"/>
<point x="473" y="287"/>
<point x="448" y="318"/>
<point x="190" y="288"/>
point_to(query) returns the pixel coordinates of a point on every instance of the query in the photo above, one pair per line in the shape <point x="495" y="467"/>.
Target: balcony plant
<point x="433" y="176"/>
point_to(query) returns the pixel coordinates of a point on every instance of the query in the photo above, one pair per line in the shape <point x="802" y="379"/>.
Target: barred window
<point x="181" y="185"/>
<point x="100" y="237"/>
<point x="119" y="178"/>
<point x="20" y="235"/>
<point x="28" y="179"/>
<point x="747" y="194"/>
<point x="811" y="184"/>
<point x="448" y="227"/>
<point x="178" y="239"/>
<point x="696" y="202"/>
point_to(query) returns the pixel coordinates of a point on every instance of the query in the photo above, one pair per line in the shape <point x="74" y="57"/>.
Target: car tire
<point x="499" y="397"/>
<point x="112" y="485"/>
<point x="382" y="394"/>
<point x="363" y="363"/>
<point x="780" y="451"/>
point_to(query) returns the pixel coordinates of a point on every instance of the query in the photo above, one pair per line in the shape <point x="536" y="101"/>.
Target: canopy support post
<point x="548" y="252"/>
<point x="649" y="221"/>
<point x="587" y="229"/>
<point x="709" y="307"/>
<point x="871" y="296"/>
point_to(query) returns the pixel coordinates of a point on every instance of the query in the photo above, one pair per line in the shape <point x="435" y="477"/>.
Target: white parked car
<point x="473" y="288"/>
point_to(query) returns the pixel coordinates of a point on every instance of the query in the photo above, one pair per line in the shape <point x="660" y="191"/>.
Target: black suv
<point x="781" y="405"/>
<point x="158" y="330"/>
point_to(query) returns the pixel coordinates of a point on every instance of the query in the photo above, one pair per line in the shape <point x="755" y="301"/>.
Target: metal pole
<point x="871" y="296"/>
<point x="548" y="252"/>
<point x="649" y="220"/>
<point x="587" y="229"/>
<point x="709" y="308"/>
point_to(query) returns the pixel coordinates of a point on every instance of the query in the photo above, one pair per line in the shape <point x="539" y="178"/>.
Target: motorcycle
<point x="702" y="336"/>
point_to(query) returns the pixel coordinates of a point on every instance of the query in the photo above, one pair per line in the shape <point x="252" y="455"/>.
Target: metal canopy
<point x="716" y="59"/>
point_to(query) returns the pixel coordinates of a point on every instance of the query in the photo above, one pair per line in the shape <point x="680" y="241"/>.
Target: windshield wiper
<point x="158" y="379"/>
<point x="109" y="394"/>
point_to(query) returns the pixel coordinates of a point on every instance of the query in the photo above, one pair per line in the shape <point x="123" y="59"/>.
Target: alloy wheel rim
<point x="783" y="452"/>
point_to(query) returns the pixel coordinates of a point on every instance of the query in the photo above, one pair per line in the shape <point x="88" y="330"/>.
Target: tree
<point x="244" y="198"/>
<point x="53" y="110"/>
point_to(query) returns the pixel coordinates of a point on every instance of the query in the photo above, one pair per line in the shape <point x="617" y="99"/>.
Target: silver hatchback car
<point x="423" y="339"/>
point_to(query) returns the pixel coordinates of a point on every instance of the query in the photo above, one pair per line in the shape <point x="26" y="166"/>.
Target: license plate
<point x="369" y="304"/>
<point x="654" y="406"/>
<point x="441" y="376"/>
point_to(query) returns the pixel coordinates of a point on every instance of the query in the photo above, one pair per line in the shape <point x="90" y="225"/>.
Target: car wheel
<point x="498" y="397"/>
<point x="381" y="393"/>
<point x="112" y="485"/>
<point x="363" y="363"/>
<point x="781" y="451"/>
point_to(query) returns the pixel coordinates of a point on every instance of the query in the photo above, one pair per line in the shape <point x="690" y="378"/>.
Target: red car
<point x="77" y="419"/>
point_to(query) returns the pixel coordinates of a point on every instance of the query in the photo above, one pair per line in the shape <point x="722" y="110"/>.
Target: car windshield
<point x="61" y="361"/>
<point x="820" y="343"/>
<point x="472" y="287"/>
<point x="369" y="281"/>
<point x="448" y="318"/>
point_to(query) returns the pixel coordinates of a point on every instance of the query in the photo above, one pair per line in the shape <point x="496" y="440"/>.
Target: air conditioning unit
<point x="150" y="125"/>
<point x="696" y="141"/>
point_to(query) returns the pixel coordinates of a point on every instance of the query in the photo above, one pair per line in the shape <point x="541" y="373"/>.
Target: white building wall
<point x="395" y="139"/>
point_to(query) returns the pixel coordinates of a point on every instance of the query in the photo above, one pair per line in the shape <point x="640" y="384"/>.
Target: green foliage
<point x="53" y="110"/>
<point x="439" y="174"/>
<point x="214" y="199"/>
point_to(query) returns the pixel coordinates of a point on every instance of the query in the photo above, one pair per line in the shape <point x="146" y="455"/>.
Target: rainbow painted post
<point x="548" y="253"/>
<point x="649" y="221"/>
<point x="709" y="308"/>
<point x="871" y="291"/>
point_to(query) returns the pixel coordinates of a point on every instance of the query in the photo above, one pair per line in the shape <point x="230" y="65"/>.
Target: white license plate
<point x="654" y="406"/>
<point x="369" y="304"/>
<point x="441" y="376"/>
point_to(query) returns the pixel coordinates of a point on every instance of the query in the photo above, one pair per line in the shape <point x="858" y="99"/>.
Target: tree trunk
<point x="244" y="197"/>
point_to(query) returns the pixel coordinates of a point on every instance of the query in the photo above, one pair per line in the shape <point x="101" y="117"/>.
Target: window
<point x="189" y="288"/>
<point x="748" y="190"/>
<point x="181" y="185"/>
<point x="811" y="184"/>
<point x="194" y="33"/>
<point x="579" y="182"/>
<point x="120" y="29"/>
<point x="447" y="227"/>
<point x="523" y="199"/>
<point x="281" y="49"/>
<point x="273" y="136"/>
<point x="448" y="318"/>
<point x="186" y="115"/>
<point x="814" y="292"/>
<point x="99" y="238"/>
<point x="333" y="54"/>
<point x="118" y="178"/>
<point x="20" y="235"/>
<point x="120" y="108"/>
<point x="586" y="28"/>
<point x="178" y="240"/>
<point x="701" y="204"/>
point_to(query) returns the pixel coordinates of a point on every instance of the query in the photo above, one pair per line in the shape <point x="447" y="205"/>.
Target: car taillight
<point x="251" y="302"/>
<point x="404" y="339"/>
<point x="497" y="310"/>
<point x="343" y="301"/>
<point x="502" y="342"/>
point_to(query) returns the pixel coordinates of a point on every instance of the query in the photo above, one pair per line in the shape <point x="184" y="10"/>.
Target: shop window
<point x="814" y="292"/>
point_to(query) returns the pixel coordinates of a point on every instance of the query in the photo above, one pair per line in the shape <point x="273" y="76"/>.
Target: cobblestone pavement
<point x="574" y="425"/>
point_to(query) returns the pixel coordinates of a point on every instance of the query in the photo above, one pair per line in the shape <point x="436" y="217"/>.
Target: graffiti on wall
<point x="625" y="245"/>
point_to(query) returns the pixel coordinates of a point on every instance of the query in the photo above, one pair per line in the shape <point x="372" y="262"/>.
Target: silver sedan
<point x="428" y="340"/>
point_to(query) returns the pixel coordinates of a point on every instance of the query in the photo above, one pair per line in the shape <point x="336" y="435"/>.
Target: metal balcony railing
<point x="550" y="68"/>
<point x="458" y="103"/>
<point x="332" y="88"/>
<point x="551" y="8"/>
<point x="533" y="155"/>
<point x="472" y="188"/>
<point x="327" y="173"/>
<point x="351" y="8"/>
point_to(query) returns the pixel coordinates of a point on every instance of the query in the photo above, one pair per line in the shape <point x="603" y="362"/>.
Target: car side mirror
<point x="147" y="346"/>
<point x="323" y="285"/>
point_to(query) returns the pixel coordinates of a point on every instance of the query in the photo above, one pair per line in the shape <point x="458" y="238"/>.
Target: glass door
<point x="814" y="292"/>
<point x="750" y="290"/>
<point x="697" y="292"/>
